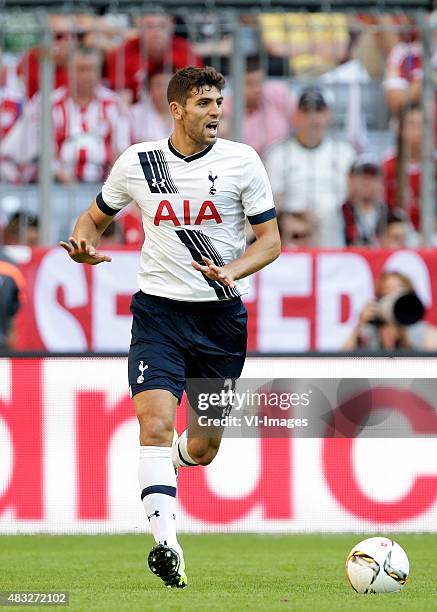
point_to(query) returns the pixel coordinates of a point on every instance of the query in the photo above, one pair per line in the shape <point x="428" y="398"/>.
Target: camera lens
<point x="408" y="309"/>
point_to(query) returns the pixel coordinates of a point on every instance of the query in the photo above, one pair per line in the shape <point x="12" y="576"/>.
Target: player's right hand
<point x="214" y="272"/>
<point x="83" y="252"/>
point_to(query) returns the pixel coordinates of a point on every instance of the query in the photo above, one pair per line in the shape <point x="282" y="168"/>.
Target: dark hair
<point x="397" y="215"/>
<point x="192" y="79"/>
<point x="253" y="63"/>
<point x="21" y="217"/>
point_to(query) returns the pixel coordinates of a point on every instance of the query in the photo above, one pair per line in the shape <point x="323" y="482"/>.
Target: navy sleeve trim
<point x="262" y="217"/>
<point x="104" y="207"/>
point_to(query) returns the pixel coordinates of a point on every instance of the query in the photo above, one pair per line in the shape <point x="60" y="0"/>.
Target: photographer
<point x="393" y="319"/>
<point x="11" y="293"/>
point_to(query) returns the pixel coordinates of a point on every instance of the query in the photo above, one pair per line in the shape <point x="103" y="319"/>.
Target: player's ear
<point x="175" y="110"/>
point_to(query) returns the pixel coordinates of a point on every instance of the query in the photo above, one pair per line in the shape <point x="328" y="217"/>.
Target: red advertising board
<point x="69" y="449"/>
<point x="305" y="300"/>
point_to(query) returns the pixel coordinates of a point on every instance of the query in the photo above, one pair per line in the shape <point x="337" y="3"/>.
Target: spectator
<point x="150" y="117"/>
<point x="375" y="330"/>
<point x="63" y="42"/>
<point x="296" y="230"/>
<point x="364" y="208"/>
<point x="403" y="73"/>
<point x="11" y="291"/>
<point x="311" y="43"/>
<point x="156" y="49"/>
<point x="309" y="171"/>
<point x="212" y="39"/>
<point x="378" y="36"/>
<point x="22" y="228"/>
<point x="269" y="108"/>
<point x="403" y="170"/>
<point x="11" y="108"/>
<point x="395" y="231"/>
<point x="90" y="124"/>
<point x="100" y="32"/>
<point x="131" y="225"/>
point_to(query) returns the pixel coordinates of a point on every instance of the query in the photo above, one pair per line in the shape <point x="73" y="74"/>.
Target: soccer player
<point x="189" y="322"/>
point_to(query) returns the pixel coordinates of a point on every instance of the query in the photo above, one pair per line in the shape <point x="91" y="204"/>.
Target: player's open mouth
<point x="212" y="128"/>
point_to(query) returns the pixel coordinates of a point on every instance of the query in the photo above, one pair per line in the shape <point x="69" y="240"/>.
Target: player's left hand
<point x="212" y="271"/>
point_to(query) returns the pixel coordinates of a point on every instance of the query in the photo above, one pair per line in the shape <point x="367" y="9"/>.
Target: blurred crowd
<point x="332" y="104"/>
<point x="331" y="186"/>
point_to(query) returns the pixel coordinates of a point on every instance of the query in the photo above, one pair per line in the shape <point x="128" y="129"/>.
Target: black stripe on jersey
<point x="212" y="253"/>
<point x="156" y="172"/>
<point x="217" y="259"/>
<point x="262" y="217"/>
<point x="190" y="238"/>
<point x="162" y="167"/>
<point x="149" y="174"/>
<point x="161" y="156"/>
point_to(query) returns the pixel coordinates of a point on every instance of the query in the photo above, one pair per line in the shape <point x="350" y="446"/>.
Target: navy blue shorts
<point x="173" y="341"/>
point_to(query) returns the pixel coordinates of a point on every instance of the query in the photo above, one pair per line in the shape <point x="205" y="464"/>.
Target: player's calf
<point x="192" y="451"/>
<point x="202" y="450"/>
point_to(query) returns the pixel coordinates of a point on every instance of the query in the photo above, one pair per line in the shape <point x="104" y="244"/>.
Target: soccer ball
<point x="377" y="565"/>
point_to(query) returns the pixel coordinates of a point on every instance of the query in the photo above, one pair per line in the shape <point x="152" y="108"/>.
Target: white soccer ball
<point x="377" y="565"/>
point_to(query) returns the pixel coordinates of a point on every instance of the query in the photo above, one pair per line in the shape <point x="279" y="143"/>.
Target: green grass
<point x="225" y="572"/>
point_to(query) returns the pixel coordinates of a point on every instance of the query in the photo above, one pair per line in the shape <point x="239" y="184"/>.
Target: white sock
<point x="158" y="493"/>
<point x="179" y="452"/>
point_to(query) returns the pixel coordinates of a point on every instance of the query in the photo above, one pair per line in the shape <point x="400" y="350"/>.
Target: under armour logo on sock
<point x="174" y="516"/>
<point x="156" y="513"/>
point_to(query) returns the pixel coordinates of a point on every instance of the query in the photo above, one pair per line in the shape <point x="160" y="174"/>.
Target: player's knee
<point x="155" y="430"/>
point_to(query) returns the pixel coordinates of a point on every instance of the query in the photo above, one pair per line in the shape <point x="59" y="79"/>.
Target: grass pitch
<point x="225" y="572"/>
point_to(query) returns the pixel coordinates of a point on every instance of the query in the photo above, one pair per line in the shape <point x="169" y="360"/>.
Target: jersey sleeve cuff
<point x="104" y="207"/>
<point x="262" y="217"/>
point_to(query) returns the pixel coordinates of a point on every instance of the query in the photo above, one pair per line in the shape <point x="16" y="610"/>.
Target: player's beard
<point x="200" y="135"/>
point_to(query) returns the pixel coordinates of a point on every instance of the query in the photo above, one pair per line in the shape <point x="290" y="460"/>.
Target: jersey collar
<point x="188" y="158"/>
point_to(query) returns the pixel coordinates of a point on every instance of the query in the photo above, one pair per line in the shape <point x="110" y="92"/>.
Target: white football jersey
<point x="191" y="206"/>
